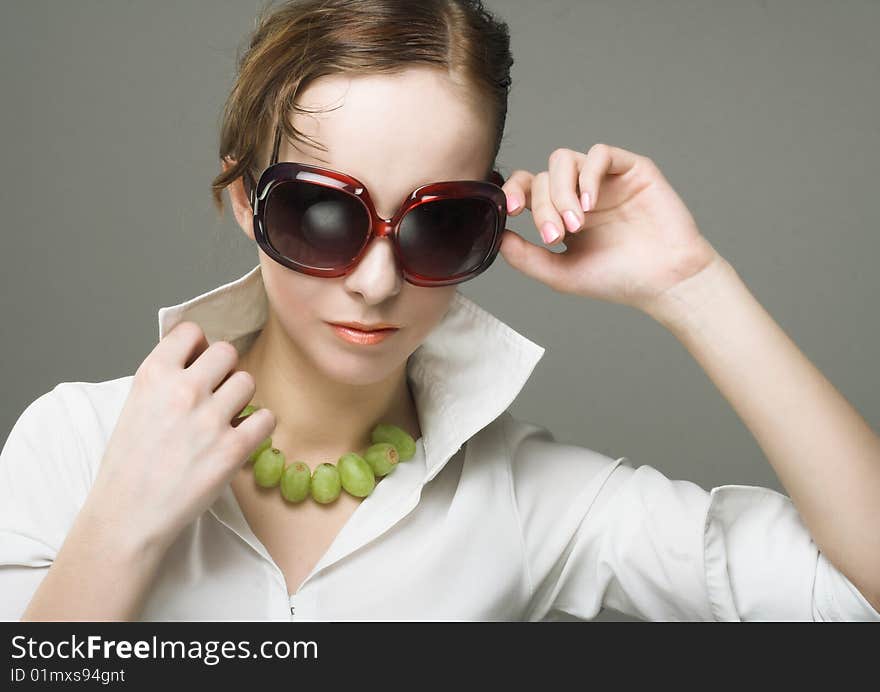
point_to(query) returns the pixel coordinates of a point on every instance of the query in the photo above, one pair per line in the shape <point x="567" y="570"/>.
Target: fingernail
<point x="585" y="201"/>
<point x="549" y="232"/>
<point x="513" y="203"/>
<point x="571" y="220"/>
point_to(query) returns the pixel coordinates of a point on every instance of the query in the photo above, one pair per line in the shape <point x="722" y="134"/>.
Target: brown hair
<point x="305" y="39"/>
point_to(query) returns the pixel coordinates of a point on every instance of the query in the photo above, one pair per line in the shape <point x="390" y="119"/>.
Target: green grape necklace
<point x="352" y="472"/>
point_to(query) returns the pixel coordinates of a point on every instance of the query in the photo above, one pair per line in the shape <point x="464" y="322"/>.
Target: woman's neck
<point x="315" y="413"/>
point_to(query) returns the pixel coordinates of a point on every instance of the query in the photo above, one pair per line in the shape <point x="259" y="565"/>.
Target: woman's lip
<point x="365" y="331"/>
<point x="357" y="336"/>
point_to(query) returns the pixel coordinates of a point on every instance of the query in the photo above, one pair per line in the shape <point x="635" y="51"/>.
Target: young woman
<point x="358" y="150"/>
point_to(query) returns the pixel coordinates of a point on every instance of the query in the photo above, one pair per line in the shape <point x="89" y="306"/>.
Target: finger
<point x="546" y="217"/>
<point x="213" y="367"/>
<point x="534" y="261"/>
<point x="602" y="160"/>
<point x="233" y="395"/>
<point x="518" y="188"/>
<point x="563" y="166"/>
<point x="181" y="346"/>
<point x="250" y="433"/>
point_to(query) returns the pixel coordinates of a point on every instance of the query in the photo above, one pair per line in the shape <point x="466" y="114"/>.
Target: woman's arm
<point x="634" y="241"/>
<point x="100" y="573"/>
<point x="825" y="454"/>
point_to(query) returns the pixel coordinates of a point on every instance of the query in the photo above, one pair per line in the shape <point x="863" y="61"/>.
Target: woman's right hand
<point x="174" y="447"/>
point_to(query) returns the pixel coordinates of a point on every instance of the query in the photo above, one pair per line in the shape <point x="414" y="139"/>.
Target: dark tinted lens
<point x="443" y="238"/>
<point x="315" y="225"/>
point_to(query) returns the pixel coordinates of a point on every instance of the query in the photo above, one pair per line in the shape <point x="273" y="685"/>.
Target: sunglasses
<point x="320" y="221"/>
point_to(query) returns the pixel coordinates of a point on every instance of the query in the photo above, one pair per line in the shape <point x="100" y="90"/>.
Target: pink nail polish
<point x="549" y="232"/>
<point x="585" y="201"/>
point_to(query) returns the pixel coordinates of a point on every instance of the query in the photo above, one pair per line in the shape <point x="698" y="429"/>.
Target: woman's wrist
<point x="680" y="307"/>
<point x="103" y="523"/>
<point x="102" y="571"/>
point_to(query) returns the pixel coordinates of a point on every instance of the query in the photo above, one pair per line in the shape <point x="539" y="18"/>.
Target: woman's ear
<point x="241" y="206"/>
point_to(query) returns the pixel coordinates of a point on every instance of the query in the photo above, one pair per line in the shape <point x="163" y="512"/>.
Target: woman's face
<point x="394" y="133"/>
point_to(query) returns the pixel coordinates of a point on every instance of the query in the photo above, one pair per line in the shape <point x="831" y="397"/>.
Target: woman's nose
<point x="377" y="273"/>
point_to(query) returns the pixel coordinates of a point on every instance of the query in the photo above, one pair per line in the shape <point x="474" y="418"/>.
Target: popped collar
<point x="457" y="393"/>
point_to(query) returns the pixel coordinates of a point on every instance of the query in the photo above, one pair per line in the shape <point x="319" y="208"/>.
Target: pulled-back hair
<point x="302" y="40"/>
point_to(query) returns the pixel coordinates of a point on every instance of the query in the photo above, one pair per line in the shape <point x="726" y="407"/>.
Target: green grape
<point x="265" y="444"/>
<point x="247" y="410"/>
<point x="356" y="474"/>
<point x="296" y="482"/>
<point x="326" y="484"/>
<point x="268" y="467"/>
<point x="382" y="458"/>
<point x="400" y="438"/>
<point x="244" y="413"/>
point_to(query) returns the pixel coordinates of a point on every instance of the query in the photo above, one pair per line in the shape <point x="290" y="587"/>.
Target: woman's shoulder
<point x="77" y="403"/>
<point x="48" y="464"/>
<point x="102" y="397"/>
<point x="95" y="402"/>
<point x="538" y="459"/>
<point x="81" y="411"/>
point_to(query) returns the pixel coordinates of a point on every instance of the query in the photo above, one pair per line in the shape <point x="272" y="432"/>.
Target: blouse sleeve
<point x="599" y="533"/>
<point x="42" y="485"/>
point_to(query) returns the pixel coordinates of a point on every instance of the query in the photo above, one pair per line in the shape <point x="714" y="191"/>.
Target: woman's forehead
<point x="398" y="126"/>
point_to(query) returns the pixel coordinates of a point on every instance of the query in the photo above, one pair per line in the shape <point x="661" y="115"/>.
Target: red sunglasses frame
<point x="285" y="171"/>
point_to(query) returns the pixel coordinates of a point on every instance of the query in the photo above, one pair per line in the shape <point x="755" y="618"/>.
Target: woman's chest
<point x="451" y="549"/>
<point x="296" y="535"/>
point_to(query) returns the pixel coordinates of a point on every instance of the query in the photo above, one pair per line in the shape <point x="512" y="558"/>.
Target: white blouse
<point x="493" y="519"/>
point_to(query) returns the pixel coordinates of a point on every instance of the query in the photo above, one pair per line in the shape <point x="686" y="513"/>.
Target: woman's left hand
<point x="637" y="240"/>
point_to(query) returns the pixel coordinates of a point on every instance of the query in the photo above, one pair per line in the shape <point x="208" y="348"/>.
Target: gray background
<point x="762" y="115"/>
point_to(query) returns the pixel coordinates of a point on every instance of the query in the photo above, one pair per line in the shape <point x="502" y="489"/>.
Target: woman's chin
<point x="353" y="369"/>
